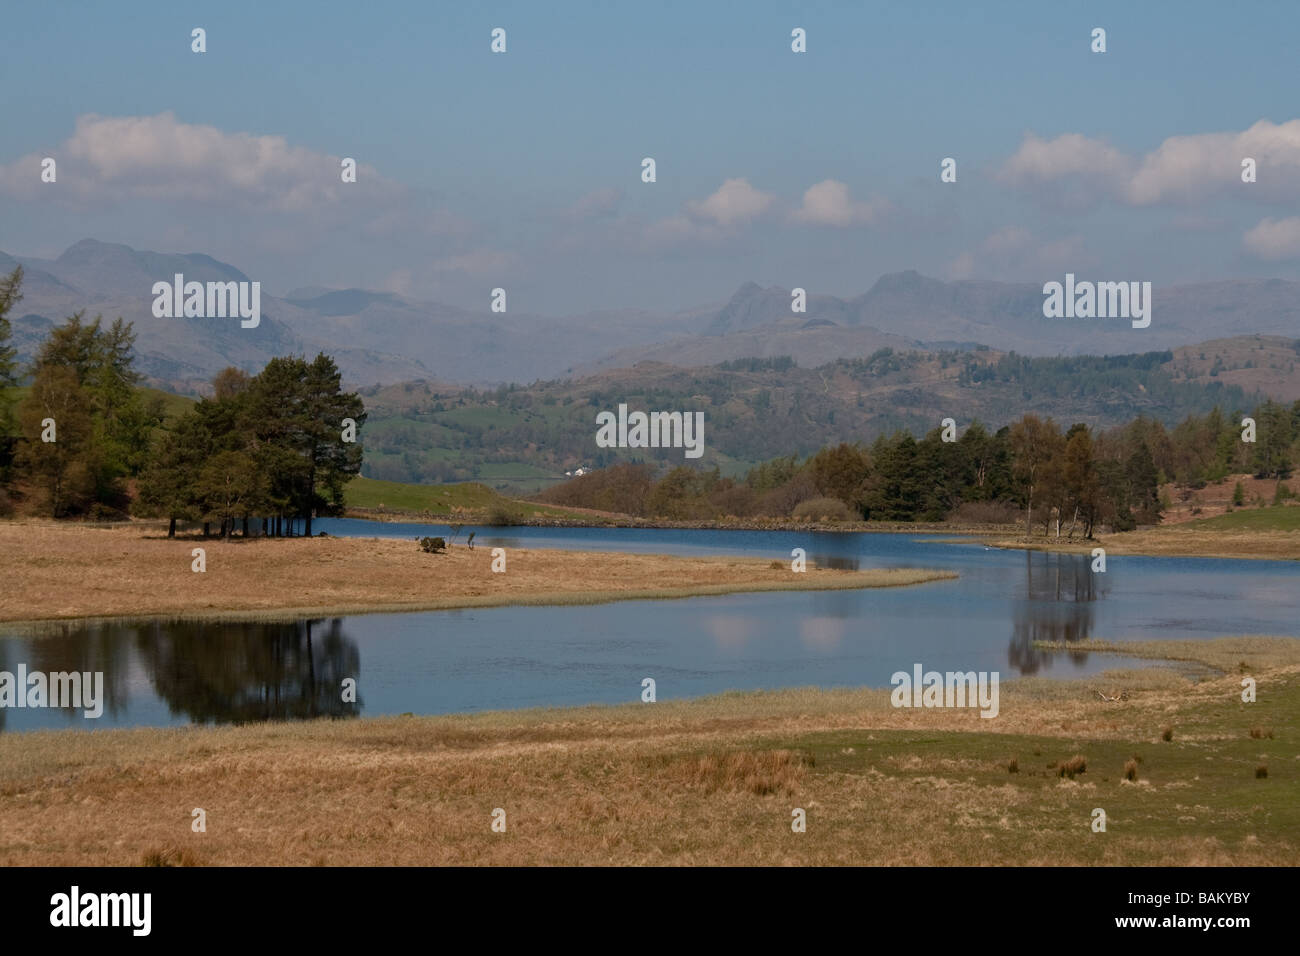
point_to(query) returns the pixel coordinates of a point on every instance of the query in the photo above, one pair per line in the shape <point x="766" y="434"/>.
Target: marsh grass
<point x="705" y="781"/>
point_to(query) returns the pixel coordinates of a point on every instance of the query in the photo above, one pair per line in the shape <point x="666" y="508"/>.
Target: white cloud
<point x="734" y="203"/>
<point x="1189" y="167"/>
<point x="161" y="158"/>
<point x="1181" y="169"/>
<point x="1069" y="155"/>
<point x="1274" y="239"/>
<point x="828" y="203"/>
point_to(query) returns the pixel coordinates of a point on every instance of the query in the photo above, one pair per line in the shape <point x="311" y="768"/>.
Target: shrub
<point x="1070" y="768"/>
<point x="1259" y="733"/>
<point x="1167" y="734"/>
<point x="1131" y="770"/>
<point x="829" y="509"/>
<point x="1238" y="496"/>
<point x="432" y="545"/>
<point x="1013" y="766"/>
<point x="1261" y="771"/>
<point x="500" y="515"/>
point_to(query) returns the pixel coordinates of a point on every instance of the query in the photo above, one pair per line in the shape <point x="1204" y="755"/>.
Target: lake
<point x="165" y="673"/>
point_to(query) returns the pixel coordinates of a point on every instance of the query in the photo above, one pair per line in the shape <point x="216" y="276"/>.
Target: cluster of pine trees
<point x="1069" y="482"/>
<point x="83" y="428"/>
<point x="275" y="446"/>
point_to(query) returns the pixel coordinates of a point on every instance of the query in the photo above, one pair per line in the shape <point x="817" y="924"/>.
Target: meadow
<point x="1186" y="773"/>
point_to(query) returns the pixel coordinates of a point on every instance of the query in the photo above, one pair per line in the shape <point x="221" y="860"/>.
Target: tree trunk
<point x="307" y="530"/>
<point x="245" y="526"/>
<point x="171" y="528"/>
<point x="207" y="528"/>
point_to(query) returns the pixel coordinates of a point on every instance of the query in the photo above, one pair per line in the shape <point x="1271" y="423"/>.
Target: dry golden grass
<point x="1180" y="540"/>
<point x="59" y="571"/>
<point x="710" y="781"/>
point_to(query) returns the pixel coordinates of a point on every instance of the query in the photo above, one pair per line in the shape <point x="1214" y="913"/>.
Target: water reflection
<point x="234" y="673"/>
<point x="218" y="673"/>
<point x="1058" y="604"/>
<point x="75" y="648"/>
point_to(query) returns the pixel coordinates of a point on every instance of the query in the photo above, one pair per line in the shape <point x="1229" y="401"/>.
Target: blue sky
<point x="522" y="169"/>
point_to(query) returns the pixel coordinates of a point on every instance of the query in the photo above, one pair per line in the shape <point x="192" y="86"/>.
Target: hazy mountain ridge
<point x="181" y="354"/>
<point x="376" y="337"/>
<point x="916" y="310"/>
<point x="385" y="337"/>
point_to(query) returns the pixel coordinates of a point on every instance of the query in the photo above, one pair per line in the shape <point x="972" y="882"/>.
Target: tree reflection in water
<point x="1058" y="605"/>
<point x="69" y="647"/>
<point x="241" y="672"/>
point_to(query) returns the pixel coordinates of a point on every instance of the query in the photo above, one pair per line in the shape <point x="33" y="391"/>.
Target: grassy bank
<point x="54" y="571"/>
<point x="1260" y="539"/>
<point x="711" y="781"/>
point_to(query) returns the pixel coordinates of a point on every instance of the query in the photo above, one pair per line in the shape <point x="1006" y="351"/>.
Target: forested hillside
<point x="523" y="437"/>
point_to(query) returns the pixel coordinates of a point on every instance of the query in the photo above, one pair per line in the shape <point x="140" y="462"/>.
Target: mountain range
<point x="382" y="337"/>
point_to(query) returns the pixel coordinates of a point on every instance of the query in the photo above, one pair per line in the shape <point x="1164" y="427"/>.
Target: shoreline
<point x="1177" y="760"/>
<point x="56" y="574"/>
<point x="1159" y="541"/>
<point x="907" y="578"/>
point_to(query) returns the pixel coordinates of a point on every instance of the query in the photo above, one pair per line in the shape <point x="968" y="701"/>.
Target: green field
<point x="470" y="496"/>
<point x="1275" y="518"/>
<point x="368" y="493"/>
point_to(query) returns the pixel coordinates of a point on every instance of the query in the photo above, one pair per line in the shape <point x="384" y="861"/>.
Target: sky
<point x="523" y="169"/>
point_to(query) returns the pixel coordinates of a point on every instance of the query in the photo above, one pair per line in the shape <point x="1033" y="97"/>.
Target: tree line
<point x="1069" y="481"/>
<point x="86" y="441"/>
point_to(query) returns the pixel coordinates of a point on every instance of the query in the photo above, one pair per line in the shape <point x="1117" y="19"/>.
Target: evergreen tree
<point x="169" y="483"/>
<point x="1143" y="486"/>
<point x="10" y="295"/>
<point x="1271" y="456"/>
<point x="64" y="468"/>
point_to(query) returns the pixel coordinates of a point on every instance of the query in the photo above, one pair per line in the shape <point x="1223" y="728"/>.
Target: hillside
<point x="524" y="438"/>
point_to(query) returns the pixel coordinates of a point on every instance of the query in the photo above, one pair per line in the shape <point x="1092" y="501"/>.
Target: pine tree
<point x="64" y="468"/>
<point x="10" y="295"/>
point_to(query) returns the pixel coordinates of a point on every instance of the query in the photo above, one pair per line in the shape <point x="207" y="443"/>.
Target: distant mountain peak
<point x="86" y="250"/>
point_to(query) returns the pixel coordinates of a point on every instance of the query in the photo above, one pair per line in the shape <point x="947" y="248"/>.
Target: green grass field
<point x="1275" y="518"/>
<point x="364" y="492"/>
<point x="370" y="494"/>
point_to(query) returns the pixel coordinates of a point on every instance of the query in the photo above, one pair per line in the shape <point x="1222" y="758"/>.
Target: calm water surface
<point x="486" y="659"/>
